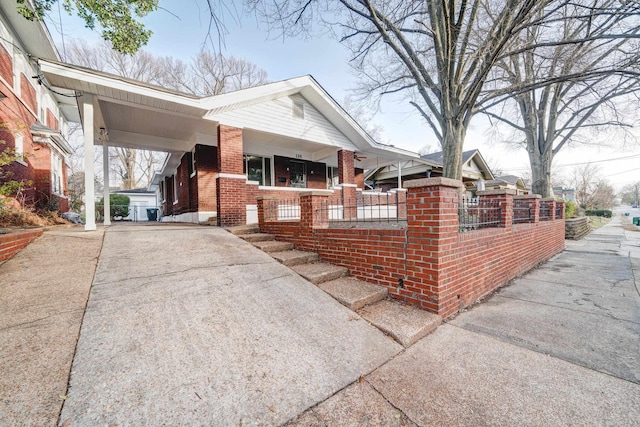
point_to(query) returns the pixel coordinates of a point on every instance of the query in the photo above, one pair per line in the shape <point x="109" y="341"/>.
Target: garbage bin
<point x="636" y="220"/>
<point x="152" y="214"/>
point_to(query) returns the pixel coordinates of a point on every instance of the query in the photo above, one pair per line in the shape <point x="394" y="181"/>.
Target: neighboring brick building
<point x="31" y="123"/>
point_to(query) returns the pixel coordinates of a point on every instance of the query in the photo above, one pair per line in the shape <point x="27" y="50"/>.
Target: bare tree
<point x="568" y="79"/>
<point x="436" y="53"/>
<point x="207" y="74"/>
<point x="631" y="193"/>
<point x="592" y="190"/>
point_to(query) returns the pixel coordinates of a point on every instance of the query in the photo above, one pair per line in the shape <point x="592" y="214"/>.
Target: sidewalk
<point x="188" y="325"/>
<point x="43" y="294"/>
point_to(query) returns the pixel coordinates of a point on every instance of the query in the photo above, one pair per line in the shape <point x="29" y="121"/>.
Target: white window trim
<point x="175" y="189"/>
<point x="18" y="140"/>
<point x="246" y="166"/>
<point x="193" y="163"/>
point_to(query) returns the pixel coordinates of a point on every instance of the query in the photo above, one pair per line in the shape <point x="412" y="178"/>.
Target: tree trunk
<point x="452" y="143"/>
<point x="541" y="172"/>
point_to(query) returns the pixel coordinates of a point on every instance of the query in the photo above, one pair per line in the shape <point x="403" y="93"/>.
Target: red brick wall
<point x="41" y="163"/>
<point x="6" y="66"/>
<point x="182" y="175"/>
<point x="11" y="243"/>
<point x="206" y="171"/>
<point x="28" y="93"/>
<point x="52" y="122"/>
<point x="430" y="264"/>
<point x="230" y="150"/>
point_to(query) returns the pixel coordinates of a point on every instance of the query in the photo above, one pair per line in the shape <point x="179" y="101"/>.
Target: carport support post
<point x="89" y="189"/>
<point x="105" y="191"/>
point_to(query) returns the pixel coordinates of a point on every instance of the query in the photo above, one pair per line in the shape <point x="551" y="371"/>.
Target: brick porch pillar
<point x="231" y="184"/>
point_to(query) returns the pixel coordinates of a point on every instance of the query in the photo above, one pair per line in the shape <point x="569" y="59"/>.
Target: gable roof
<point x="438" y="158"/>
<point x="131" y="93"/>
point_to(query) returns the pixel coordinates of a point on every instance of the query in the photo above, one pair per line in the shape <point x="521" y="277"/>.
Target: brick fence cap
<point x="498" y="192"/>
<point x="527" y="196"/>
<point x="549" y="199"/>
<point x="433" y="182"/>
<point x="316" y="193"/>
<point x="267" y="198"/>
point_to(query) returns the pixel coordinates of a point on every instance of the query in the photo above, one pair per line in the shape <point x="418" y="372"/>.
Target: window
<point x="332" y="177"/>
<point x="175" y="189"/>
<point x="56" y="174"/>
<point x="257" y="168"/>
<point x="298" y="109"/>
<point x="19" y="146"/>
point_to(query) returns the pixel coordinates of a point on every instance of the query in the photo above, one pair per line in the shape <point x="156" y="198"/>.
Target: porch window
<point x="332" y="176"/>
<point x="56" y="174"/>
<point x="257" y="168"/>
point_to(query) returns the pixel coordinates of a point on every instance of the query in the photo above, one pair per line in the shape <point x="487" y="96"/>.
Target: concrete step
<point x="354" y="293"/>
<point x="320" y="272"/>
<point x="295" y="257"/>
<point x="271" y="246"/>
<point x="404" y="323"/>
<point x="213" y="223"/>
<point x="243" y="229"/>
<point x="257" y="237"/>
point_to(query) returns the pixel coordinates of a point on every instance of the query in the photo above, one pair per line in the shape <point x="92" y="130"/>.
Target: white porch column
<point x="89" y="189"/>
<point x="399" y="174"/>
<point x="105" y="171"/>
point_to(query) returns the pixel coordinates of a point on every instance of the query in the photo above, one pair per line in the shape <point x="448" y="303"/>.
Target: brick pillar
<point x="548" y="207"/>
<point x="401" y="202"/>
<point x="314" y="213"/>
<point x="346" y="167"/>
<point x="231" y="184"/>
<point x="432" y="233"/>
<point x="492" y="199"/>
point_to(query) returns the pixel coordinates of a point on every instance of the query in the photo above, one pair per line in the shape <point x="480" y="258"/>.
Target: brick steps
<point x="404" y="323"/>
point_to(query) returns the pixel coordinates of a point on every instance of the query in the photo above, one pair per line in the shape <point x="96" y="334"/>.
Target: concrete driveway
<point x="189" y="325"/>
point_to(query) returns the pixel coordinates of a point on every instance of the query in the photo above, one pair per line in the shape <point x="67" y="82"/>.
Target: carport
<point x="121" y="113"/>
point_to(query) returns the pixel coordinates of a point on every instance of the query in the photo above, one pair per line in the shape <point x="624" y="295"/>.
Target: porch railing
<point x="365" y="208"/>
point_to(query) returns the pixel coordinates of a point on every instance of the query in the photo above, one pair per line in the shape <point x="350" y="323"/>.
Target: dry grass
<point x="627" y="223"/>
<point x="19" y="217"/>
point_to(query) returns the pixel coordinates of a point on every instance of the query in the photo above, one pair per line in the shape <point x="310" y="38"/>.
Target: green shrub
<point x="599" y="212"/>
<point x="569" y="209"/>
<point x="119" y="205"/>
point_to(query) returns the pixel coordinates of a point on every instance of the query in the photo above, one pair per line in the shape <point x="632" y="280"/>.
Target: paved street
<point x="189" y="325"/>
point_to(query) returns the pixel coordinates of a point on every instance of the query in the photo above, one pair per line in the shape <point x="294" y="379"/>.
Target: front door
<point x="298" y="174"/>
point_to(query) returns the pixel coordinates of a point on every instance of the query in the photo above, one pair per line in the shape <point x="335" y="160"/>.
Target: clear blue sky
<point x="180" y="31"/>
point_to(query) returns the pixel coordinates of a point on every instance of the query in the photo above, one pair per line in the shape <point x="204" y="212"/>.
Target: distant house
<point x="32" y="123"/>
<point x="568" y="194"/>
<point x="140" y="201"/>
<point x="392" y="175"/>
<point x="508" y="182"/>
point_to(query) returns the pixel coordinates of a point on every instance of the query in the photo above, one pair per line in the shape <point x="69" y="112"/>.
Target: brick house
<point x="224" y="151"/>
<point x="31" y="121"/>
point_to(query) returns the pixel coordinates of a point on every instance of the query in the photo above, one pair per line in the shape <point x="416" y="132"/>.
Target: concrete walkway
<point x="188" y="325"/>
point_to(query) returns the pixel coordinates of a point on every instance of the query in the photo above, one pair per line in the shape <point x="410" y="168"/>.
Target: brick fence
<point x="434" y="262"/>
<point x="11" y="243"/>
